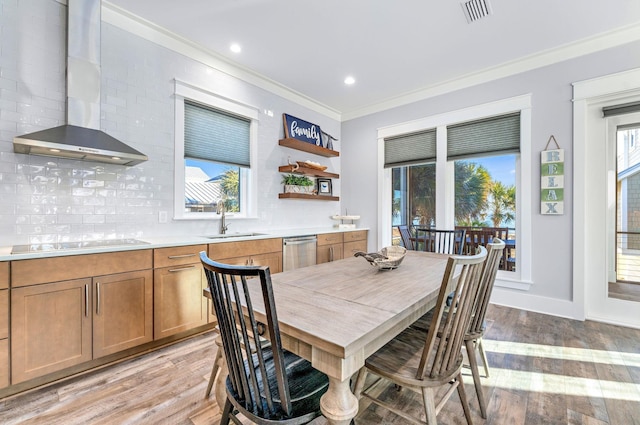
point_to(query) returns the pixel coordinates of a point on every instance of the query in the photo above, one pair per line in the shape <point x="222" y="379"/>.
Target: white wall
<point x="44" y="199"/>
<point x="551" y="91"/>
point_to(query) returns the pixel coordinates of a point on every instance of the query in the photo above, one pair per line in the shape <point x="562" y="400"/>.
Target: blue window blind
<point x="213" y="135"/>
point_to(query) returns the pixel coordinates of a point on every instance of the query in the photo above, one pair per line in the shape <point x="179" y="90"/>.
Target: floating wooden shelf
<point x="308" y="147"/>
<point x="307" y="196"/>
<point x="307" y="171"/>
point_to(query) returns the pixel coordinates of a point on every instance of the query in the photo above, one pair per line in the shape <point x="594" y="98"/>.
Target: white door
<point x="595" y="196"/>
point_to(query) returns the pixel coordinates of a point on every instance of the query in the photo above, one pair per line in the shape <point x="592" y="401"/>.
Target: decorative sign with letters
<point x="552" y="180"/>
<point x="295" y="128"/>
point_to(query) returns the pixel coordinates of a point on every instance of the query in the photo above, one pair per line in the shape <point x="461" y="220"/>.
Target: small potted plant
<point x="297" y="184"/>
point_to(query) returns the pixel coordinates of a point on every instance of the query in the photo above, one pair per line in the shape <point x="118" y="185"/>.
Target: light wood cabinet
<point x="260" y="252"/>
<point x="84" y="316"/>
<point x="355" y="241"/>
<point x="339" y="245"/>
<point x="4" y="324"/>
<point x="178" y="302"/>
<point x="329" y="247"/>
<point x="123" y="311"/>
<point x="50" y="328"/>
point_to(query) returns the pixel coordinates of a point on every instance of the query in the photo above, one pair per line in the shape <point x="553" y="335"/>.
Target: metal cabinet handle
<point x="97" y="298"/>
<point x="86" y="300"/>
<point x="181" y="269"/>
<point x="330" y="253"/>
<point x="173" y="257"/>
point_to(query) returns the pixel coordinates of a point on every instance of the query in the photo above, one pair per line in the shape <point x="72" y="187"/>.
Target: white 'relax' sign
<point x="552" y="184"/>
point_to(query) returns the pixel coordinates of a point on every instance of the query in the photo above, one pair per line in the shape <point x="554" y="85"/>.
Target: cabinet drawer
<point x="354" y="246"/>
<point x="55" y="269"/>
<point x="178" y="255"/>
<point x="244" y="248"/>
<point x="329" y="238"/>
<point x="358" y="235"/>
<point x="4" y="313"/>
<point x="4" y="275"/>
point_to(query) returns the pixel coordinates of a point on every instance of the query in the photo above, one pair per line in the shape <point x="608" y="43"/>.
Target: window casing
<point x="191" y="95"/>
<point x="445" y="179"/>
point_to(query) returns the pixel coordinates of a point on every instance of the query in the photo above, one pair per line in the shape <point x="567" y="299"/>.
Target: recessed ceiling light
<point x="349" y="80"/>
<point x="235" y="48"/>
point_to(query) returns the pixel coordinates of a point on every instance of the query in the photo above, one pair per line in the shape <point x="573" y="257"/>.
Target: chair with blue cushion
<point x="265" y="383"/>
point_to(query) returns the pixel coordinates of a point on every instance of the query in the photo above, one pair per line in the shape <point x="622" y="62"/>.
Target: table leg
<point x="338" y="404"/>
<point x="220" y="386"/>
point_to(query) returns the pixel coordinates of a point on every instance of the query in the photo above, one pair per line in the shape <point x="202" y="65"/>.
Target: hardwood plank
<point x="536" y="361"/>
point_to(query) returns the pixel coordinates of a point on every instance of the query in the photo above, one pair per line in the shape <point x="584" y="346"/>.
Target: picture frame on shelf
<point x="324" y="187"/>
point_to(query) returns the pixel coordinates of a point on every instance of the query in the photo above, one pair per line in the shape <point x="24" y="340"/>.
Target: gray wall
<point x="551" y="91"/>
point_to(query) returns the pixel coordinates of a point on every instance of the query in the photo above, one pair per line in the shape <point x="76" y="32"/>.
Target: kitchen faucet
<point x="220" y="209"/>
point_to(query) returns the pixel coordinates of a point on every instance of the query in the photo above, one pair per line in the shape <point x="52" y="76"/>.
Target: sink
<point x="234" y="235"/>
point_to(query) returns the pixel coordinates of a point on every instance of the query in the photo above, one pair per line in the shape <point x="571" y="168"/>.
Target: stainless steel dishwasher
<point x="298" y="252"/>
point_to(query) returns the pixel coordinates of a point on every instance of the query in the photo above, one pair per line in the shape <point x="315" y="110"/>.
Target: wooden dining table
<point x="337" y="314"/>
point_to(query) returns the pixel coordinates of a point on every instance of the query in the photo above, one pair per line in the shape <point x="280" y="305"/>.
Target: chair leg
<point x="473" y="362"/>
<point x="226" y="413"/>
<point x="463" y="399"/>
<point x="428" y="398"/>
<point x="483" y="356"/>
<point x="214" y="371"/>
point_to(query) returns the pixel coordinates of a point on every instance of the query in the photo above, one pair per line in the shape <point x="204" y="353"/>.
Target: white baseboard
<point x="536" y="303"/>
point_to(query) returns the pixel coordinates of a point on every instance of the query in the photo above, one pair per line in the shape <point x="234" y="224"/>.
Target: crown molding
<point x="603" y="41"/>
<point x="147" y="30"/>
<point x="134" y="24"/>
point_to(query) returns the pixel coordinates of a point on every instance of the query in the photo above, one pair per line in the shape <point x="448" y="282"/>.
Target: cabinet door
<point x="271" y="259"/>
<point x="50" y="328"/>
<point x="352" y="247"/>
<point x="123" y="311"/>
<point x="4" y="363"/>
<point x="178" y="303"/>
<point x="327" y="253"/>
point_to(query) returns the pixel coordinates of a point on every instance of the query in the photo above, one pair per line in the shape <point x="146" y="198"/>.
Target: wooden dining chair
<point x="265" y="384"/>
<point x="477" y="325"/>
<point x="405" y="234"/>
<point x="425" y="361"/>
<point x="444" y="241"/>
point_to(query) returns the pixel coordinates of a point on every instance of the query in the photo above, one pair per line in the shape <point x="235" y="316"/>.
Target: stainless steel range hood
<point x="81" y="137"/>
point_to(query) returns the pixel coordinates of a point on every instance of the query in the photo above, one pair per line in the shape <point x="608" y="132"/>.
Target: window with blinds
<point x="484" y="137"/>
<point x="216" y="157"/>
<point x="408" y="149"/>
<point x="214" y="135"/>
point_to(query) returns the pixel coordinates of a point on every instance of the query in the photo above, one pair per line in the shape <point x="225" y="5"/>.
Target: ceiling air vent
<point x="476" y="9"/>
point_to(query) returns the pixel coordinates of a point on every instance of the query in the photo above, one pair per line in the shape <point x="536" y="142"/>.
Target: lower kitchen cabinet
<point x="329" y="247"/>
<point x="355" y="241"/>
<point x="58" y="325"/>
<point x="50" y="328"/>
<point x="178" y="302"/>
<point x="339" y="245"/>
<point x="123" y="311"/>
<point x="261" y="252"/>
<point x="4" y="324"/>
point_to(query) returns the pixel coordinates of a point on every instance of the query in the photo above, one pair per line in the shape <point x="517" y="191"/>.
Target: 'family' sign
<point x="295" y="128"/>
<point x="552" y="181"/>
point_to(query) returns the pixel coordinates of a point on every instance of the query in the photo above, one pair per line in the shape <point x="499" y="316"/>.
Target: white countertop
<point x="168" y="241"/>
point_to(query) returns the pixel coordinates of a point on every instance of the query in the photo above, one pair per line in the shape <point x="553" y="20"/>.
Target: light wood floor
<point x="544" y="370"/>
<point x="625" y="291"/>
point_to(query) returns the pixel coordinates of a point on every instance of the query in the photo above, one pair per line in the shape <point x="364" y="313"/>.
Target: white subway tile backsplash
<point x="52" y="199"/>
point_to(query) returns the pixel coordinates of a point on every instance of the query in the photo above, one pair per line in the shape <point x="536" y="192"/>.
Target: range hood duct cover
<point x="81" y="137"/>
